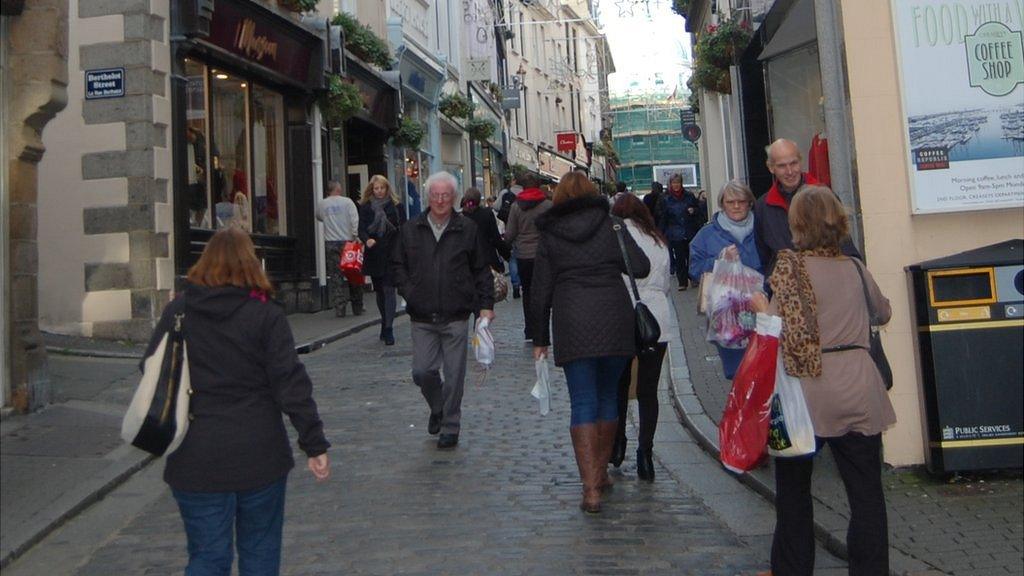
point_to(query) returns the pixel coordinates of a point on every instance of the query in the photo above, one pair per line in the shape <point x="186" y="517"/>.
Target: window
<point x="268" y="161"/>
<point x="229" y="147"/>
<point x="638" y="139"/>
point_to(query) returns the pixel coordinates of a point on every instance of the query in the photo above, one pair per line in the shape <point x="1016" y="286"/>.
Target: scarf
<point x="531" y="194"/>
<point x="739" y="230"/>
<point x="794" y="297"/>
<point x="381" y="226"/>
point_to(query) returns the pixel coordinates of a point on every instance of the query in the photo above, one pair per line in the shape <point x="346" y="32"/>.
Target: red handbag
<point x="351" y="262"/>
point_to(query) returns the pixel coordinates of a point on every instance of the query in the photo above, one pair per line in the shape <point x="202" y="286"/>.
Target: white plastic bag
<point x="483" y="342"/>
<point x="542" y="388"/>
<point x="790" y="430"/>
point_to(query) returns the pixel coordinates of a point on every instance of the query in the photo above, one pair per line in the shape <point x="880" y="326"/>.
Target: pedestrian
<point x="729" y="235"/>
<point x="380" y="215"/>
<point x="521" y="232"/>
<point x="702" y="207"/>
<point x="441" y="267"/>
<point x="341" y="224"/>
<point x="819" y="294"/>
<point x="654" y="293"/>
<point x="503" y="206"/>
<point x="487" y="224"/>
<point x="229" y="474"/>
<point x="771" y="225"/>
<point x="653" y="201"/>
<point x="679" y="224"/>
<point x="578" y="281"/>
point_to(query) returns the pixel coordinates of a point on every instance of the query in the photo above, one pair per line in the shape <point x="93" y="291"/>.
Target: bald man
<point x="771" y="211"/>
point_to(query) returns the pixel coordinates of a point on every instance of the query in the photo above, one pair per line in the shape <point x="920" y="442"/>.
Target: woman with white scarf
<point x="379" y="219"/>
<point x="729" y="235"/>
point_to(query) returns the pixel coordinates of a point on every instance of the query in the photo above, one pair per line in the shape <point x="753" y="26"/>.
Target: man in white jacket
<point x="341" y="224"/>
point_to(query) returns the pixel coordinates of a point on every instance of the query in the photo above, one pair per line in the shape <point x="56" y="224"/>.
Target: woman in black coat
<point x="578" y="279"/>
<point x="379" y="220"/>
<point x="229" y="474"/>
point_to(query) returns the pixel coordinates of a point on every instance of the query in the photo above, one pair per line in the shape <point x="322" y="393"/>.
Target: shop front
<point x="554" y="166"/>
<point x="360" y="148"/>
<point x="488" y="156"/>
<point x="422" y="79"/>
<point x="242" y="111"/>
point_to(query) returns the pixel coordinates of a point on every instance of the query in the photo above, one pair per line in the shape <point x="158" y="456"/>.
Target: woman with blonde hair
<point x="229" y="474"/>
<point x="379" y="220"/>
<point x="577" y="280"/>
<point x="823" y="298"/>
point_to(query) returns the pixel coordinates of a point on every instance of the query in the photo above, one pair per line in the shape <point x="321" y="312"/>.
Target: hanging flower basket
<point x="409" y="133"/>
<point x="721" y="43"/>
<point x="341" y="101"/>
<point x="479" y="129"/>
<point x="681" y="7"/>
<point x="363" y="42"/>
<point x="299" y="5"/>
<point x="455" y="105"/>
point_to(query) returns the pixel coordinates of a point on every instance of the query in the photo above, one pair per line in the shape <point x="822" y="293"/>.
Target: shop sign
<point x="523" y="154"/>
<point x="962" y="79"/>
<point x="104" y="83"/>
<point x="510" y="98"/>
<point x="566" y="141"/>
<point x="261" y="39"/>
<point x="553" y="165"/>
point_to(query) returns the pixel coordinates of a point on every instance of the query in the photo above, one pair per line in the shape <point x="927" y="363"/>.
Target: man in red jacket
<point x="771" y="211"/>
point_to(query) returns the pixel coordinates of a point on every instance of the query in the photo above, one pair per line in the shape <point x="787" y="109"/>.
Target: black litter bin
<point x="969" y="311"/>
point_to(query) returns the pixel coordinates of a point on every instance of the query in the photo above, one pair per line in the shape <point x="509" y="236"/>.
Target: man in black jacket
<point x="441" y="267"/>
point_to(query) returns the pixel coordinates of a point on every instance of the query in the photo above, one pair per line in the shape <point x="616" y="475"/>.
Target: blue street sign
<point x="104" y="83"/>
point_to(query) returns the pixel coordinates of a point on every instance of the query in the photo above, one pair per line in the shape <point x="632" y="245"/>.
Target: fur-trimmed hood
<point x="575" y="220"/>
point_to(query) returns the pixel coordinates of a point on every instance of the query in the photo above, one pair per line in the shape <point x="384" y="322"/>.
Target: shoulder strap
<point x="872" y="317"/>
<point x="617" y="226"/>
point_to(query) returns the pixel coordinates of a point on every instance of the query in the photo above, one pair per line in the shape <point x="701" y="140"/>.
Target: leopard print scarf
<point x="791" y="286"/>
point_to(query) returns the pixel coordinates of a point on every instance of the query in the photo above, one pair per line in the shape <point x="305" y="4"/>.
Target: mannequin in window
<point x="259" y="160"/>
<point x="196" y="150"/>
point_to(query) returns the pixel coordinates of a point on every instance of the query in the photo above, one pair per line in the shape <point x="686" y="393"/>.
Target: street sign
<point x="691" y="132"/>
<point x="509" y="98"/>
<point x="687" y="117"/>
<point x="104" y="83"/>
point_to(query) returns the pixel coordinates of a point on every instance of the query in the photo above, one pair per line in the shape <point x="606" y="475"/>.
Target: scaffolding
<point x="646" y="132"/>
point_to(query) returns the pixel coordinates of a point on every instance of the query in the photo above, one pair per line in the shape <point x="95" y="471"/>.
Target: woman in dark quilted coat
<point x="578" y="280"/>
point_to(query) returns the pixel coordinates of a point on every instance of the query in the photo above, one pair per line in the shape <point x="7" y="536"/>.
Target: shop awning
<point x="796" y="30"/>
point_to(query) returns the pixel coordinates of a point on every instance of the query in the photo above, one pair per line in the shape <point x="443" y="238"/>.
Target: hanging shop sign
<point x="263" y="39"/>
<point x="566" y="141"/>
<point x="962" y="78"/>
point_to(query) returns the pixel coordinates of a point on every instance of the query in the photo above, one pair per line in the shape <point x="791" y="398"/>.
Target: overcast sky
<point x="649" y="44"/>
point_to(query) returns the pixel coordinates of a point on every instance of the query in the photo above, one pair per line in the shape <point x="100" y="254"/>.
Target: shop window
<point x="200" y="176"/>
<point x="794" y="85"/>
<point x="268" y="161"/>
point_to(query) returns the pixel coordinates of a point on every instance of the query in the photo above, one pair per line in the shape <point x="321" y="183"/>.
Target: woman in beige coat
<point x="819" y="295"/>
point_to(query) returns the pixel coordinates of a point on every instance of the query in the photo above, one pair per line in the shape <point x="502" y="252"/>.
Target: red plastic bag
<point x="351" y="262"/>
<point x="743" y="430"/>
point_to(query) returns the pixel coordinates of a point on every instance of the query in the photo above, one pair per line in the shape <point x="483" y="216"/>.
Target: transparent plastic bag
<point x="790" y="431"/>
<point x="483" y="343"/>
<point x="730" y="288"/>
<point x="542" y="387"/>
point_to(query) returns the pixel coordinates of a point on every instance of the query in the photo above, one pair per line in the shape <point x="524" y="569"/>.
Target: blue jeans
<point x="513" y="270"/>
<point x="213" y="518"/>
<point x="594" y="388"/>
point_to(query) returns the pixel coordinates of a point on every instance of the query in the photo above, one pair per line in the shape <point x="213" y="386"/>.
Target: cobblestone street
<point x="503" y="502"/>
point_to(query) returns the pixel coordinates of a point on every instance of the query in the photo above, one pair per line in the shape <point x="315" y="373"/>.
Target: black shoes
<point x="515" y="292"/>
<point x="644" y="465"/>
<point x="618" y="451"/>
<point x="434" y="424"/>
<point x="358" y="310"/>
<point x="388" y="336"/>
<point x="447" y="441"/>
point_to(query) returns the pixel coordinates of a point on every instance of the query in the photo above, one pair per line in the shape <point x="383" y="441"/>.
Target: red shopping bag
<point x="351" y="262"/>
<point x="743" y="430"/>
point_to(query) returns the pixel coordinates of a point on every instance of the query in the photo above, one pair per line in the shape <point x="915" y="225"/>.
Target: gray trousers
<point x="434" y="345"/>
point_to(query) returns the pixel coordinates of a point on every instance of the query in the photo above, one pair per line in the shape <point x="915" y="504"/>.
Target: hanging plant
<point x="363" y="42"/>
<point x="455" y="105"/>
<point x="299" y="5"/>
<point x="694" y="98"/>
<point x="721" y="43"/>
<point x="681" y="7"/>
<point x="495" y="91"/>
<point x="341" y="101"/>
<point x="479" y="128"/>
<point x="409" y="134"/>
<point x="609" y="150"/>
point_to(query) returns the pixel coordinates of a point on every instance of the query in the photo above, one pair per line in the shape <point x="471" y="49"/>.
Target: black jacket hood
<point x="219" y="302"/>
<point x="575" y="220"/>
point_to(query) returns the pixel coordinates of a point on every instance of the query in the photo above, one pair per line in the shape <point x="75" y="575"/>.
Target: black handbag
<point x="874" y="338"/>
<point x="647" y="331"/>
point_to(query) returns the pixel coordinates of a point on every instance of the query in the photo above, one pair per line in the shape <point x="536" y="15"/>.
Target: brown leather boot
<point x="585" y="443"/>
<point x="606" y="431"/>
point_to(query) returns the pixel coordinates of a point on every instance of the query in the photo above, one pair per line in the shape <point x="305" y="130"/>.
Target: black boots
<point x="644" y="465"/>
<point x="388" y="336"/>
<point x="618" y="451"/>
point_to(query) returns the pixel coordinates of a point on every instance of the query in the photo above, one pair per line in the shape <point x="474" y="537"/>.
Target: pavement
<point x="958" y="525"/>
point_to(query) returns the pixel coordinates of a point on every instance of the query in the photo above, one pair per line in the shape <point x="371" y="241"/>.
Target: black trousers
<point x="525" y="279"/>
<point x="648" y="374"/>
<point x="859" y="459"/>
<point x="679" y="255"/>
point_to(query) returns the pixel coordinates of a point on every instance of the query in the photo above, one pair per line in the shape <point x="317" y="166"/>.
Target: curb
<point x="93" y="353"/>
<point x="830" y="531"/>
<point x="320" y="342"/>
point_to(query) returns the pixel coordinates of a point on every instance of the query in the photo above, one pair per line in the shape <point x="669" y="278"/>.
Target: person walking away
<point x="819" y="294"/>
<point x="521" y="231"/>
<point x="228" y="477"/>
<point x="653" y="199"/>
<point x="487" y="224"/>
<point x="441" y="267"/>
<point x="380" y="216"/>
<point x="503" y="206"/>
<point x="771" y="225"/>
<point x="654" y="293"/>
<point x="729" y="235"/>
<point x="341" y="224"/>
<point x="578" y="280"/>
<point x="679" y="223"/>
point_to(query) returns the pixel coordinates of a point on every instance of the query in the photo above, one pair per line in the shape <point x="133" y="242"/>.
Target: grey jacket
<point x="521" y="228"/>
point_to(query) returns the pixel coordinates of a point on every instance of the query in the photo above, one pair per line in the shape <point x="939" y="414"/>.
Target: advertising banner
<point x="962" y="79"/>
